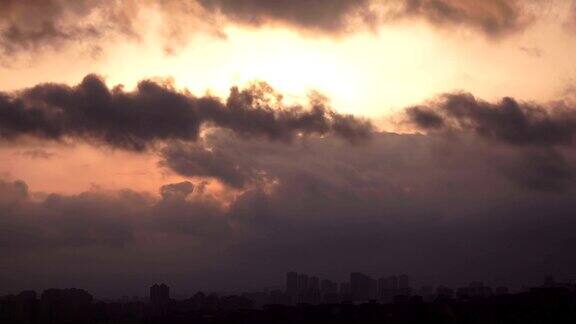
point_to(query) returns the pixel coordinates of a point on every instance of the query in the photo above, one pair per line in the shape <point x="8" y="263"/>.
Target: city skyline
<point x="296" y="288"/>
<point x="553" y="301"/>
<point x="213" y="145"/>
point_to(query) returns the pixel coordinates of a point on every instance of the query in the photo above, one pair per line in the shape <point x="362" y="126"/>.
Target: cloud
<point x="13" y="193"/>
<point x="542" y="170"/>
<point x="198" y="161"/>
<point x="402" y="197"/>
<point x="177" y="190"/>
<point x="538" y="134"/>
<point x="425" y="118"/>
<point x="157" y="112"/>
<point x="60" y="221"/>
<point x="38" y="154"/>
<point x="493" y="17"/>
<point x="508" y="121"/>
<point x="31" y="26"/>
<point x="98" y="218"/>
<point x="570" y="22"/>
<point x="443" y="213"/>
<point x="323" y="15"/>
<point x="34" y="25"/>
<point x="532" y="51"/>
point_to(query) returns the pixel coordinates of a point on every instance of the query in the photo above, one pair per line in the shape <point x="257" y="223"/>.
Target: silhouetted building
<point x="360" y="286"/>
<point x="302" y="283"/>
<point x="314" y="283"/>
<point x="393" y="282"/>
<point x="500" y="291"/>
<point x="160" y="298"/>
<point x="345" y="292"/>
<point x="383" y="286"/>
<point x="444" y="293"/>
<point x="549" y="281"/>
<point x="280" y="298"/>
<point x="329" y="291"/>
<point x="403" y="282"/>
<point x="373" y="289"/>
<point x="387" y="287"/>
<point x="475" y="289"/>
<point x="159" y="294"/>
<point x="65" y="306"/>
<point x="427" y="293"/>
<point x="235" y="303"/>
<point x="21" y="308"/>
<point x="292" y="285"/>
<point x="546" y="304"/>
<point x="313" y="294"/>
<point x="404" y="288"/>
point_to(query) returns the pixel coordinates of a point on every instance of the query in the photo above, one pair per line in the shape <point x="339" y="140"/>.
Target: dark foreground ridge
<point x="306" y="300"/>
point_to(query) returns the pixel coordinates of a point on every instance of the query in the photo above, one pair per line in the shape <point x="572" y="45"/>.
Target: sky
<point x="218" y="144"/>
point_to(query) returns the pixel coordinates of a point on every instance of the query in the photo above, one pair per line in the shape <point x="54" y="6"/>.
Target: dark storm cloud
<point x="320" y="15"/>
<point x="157" y="112"/>
<point x="98" y="218"/>
<point x="15" y="38"/>
<point x="60" y="221"/>
<point x="508" y="121"/>
<point x="199" y="161"/>
<point x="538" y="134"/>
<point x="402" y="203"/>
<point x="177" y="190"/>
<point x="425" y="118"/>
<point x="33" y="25"/>
<point x="402" y="197"/>
<point x="542" y="170"/>
<point x="536" y="139"/>
<point x="493" y="17"/>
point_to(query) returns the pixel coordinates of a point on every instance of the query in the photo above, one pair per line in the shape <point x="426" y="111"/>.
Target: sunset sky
<point x="217" y="144"/>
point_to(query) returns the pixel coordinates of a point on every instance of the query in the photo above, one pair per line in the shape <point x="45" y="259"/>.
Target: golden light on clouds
<point x="215" y="144"/>
<point x="370" y="73"/>
<point x="373" y="72"/>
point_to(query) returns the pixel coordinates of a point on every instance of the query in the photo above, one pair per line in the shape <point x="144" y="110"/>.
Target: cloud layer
<point x="445" y="212"/>
<point x="508" y="121"/>
<point x="540" y="135"/>
<point x="31" y="25"/>
<point x="156" y="112"/>
<point x="485" y="193"/>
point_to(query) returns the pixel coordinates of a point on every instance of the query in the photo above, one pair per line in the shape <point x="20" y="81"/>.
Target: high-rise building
<point x="314" y="283"/>
<point x="328" y="287"/>
<point x="65" y="306"/>
<point x="403" y="281"/>
<point x="344" y="288"/>
<point x="393" y="282"/>
<point x="344" y="292"/>
<point x="360" y="286"/>
<point x="383" y="285"/>
<point x="292" y="283"/>
<point x="475" y="289"/>
<point x="373" y="289"/>
<point x="443" y="292"/>
<point x="159" y="294"/>
<point x="302" y="283"/>
<point x="329" y="291"/>
<point x="404" y="286"/>
<point x="314" y="296"/>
